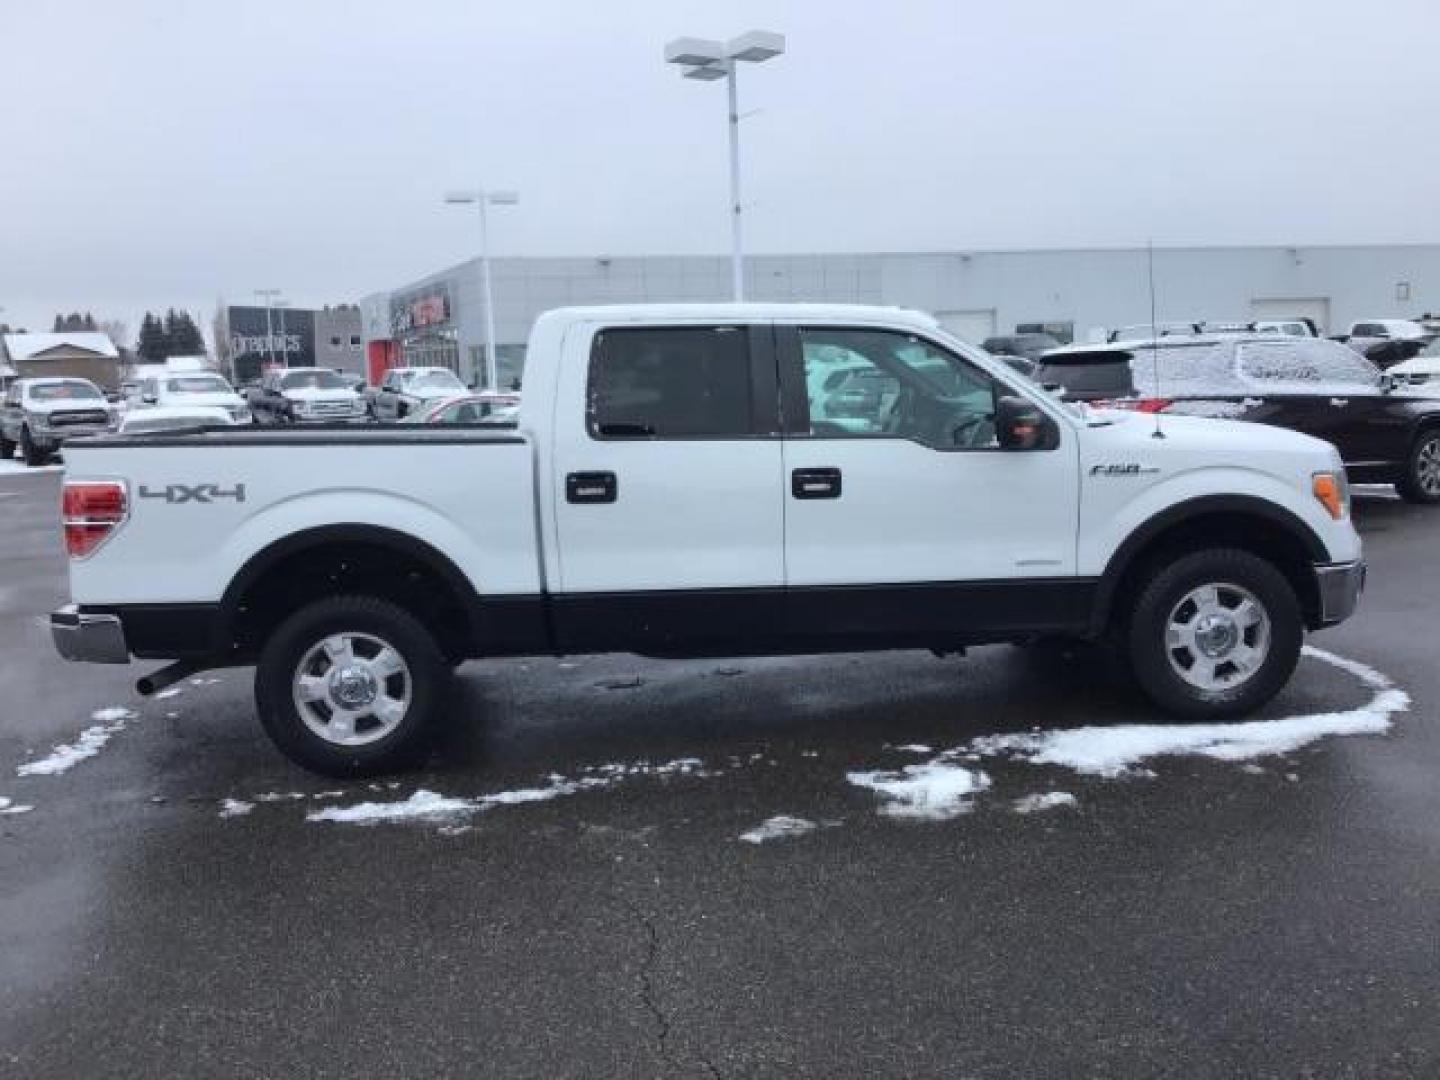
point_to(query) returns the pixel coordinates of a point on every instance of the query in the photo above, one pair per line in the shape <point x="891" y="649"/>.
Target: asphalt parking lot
<point x="580" y="890"/>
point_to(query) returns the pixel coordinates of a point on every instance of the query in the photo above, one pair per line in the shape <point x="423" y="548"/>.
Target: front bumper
<point x="1340" y="586"/>
<point x="52" y="438"/>
<point x="88" y="637"/>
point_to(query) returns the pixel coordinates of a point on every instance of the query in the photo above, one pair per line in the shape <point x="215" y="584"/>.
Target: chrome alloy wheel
<point x="352" y="689"/>
<point x="1217" y="637"/>
<point x="1427" y="466"/>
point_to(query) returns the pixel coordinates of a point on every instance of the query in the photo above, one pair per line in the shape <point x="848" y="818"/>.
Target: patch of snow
<point x="279" y="796"/>
<point x="203" y="682"/>
<point x="92" y="740"/>
<point x="174" y="691"/>
<point x="1048" y="801"/>
<point x="423" y="805"/>
<point x="235" y="808"/>
<point x="915" y="748"/>
<point x="10" y="806"/>
<point x="19" y="468"/>
<point x="934" y="790"/>
<point x="780" y="827"/>
<point x="1116" y="751"/>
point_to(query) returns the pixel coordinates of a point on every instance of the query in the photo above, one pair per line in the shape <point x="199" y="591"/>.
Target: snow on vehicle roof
<point x="172" y="417"/>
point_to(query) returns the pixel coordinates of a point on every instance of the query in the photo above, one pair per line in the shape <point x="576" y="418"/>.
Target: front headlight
<point x="301" y="407"/>
<point x="240" y="414"/>
<point x="37" y="419"/>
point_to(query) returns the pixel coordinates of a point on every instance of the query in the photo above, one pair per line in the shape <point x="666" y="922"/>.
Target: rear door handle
<point x="591" y="487"/>
<point x="823" y="483"/>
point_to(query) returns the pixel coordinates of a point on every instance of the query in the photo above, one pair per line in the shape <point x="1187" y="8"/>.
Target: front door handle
<point x="823" y="483"/>
<point x="591" y="487"/>
<point x="1339" y="402"/>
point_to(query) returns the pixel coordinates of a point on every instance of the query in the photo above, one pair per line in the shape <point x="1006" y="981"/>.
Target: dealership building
<point x="249" y="340"/>
<point x="439" y="320"/>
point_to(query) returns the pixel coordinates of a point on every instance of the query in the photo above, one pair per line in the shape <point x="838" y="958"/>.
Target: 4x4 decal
<point x="177" y="494"/>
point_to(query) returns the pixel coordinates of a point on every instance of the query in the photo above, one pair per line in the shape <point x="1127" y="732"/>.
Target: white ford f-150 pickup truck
<point x="679" y="485"/>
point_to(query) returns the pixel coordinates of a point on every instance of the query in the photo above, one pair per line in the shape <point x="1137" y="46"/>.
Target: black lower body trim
<point x="167" y="631"/>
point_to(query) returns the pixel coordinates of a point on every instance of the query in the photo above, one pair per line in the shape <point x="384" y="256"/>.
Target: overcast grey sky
<point x="159" y="152"/>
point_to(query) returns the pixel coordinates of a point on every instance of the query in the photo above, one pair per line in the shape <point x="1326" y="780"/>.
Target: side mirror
<point x="1020" y="425"/>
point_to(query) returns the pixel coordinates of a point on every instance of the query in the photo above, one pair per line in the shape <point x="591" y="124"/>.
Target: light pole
<point x="267" y="297"/>
<point x="710" y="60"/>
<point x="482" y="198"/>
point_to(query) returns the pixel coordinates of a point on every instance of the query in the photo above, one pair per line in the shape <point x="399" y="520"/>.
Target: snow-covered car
<point x="1421" y="372"/>
<point x="38" y="416"/>
<point x="1389" y="329"/>
<point x="1297" y="327"/>
<point x="481" y="408"/>
<point x="407" y="390"/>
<point x="190" y="389"/>
<point x="305" y="396"/>
<point x="160" y="418"/>
<point x="1310" y="385"/>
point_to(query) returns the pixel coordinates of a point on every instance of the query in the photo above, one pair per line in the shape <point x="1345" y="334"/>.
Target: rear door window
<point x="682" y="382"/>
<point x="1306" y="366"/>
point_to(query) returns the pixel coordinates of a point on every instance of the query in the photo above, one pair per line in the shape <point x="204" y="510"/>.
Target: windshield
<point x="197" y="384"/>
<point x="435" y="380"/>
<point x="69" y="390"/>
<point x="312" y="380"/>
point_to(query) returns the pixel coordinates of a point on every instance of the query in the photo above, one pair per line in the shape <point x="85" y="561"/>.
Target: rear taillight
<point x="1142" y="404"/>
<point x="90" y="511"/>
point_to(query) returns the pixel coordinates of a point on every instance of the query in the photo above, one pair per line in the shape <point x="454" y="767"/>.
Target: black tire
<point x="32" y="454"/>
<point x="1420" y="483"/>
<point x="277" y="673"/>
<point x="7" y="449"/>
<point x="1168" y="585"/>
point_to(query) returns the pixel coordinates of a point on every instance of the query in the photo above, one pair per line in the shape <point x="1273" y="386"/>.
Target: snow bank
<point x="934" y="790"/>
<point x="778" y="828"/>
<point x="10" y="806"/>
<point x="92" y="740"/>
<point x="235" y="808"/>
<point x="1115" y="751"/>
<point x="422" y="806"/>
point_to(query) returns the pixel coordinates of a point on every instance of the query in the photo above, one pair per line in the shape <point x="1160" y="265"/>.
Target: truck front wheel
<point x="351" y="686"/>
<point x="1214" y="634"/>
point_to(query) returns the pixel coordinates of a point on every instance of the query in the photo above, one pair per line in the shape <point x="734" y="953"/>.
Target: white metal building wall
<point x="1092" y="288"/>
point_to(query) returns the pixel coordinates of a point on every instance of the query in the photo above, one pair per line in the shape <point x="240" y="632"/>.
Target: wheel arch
<point x="1242" y="521"/>
<point x="386" y="562"/>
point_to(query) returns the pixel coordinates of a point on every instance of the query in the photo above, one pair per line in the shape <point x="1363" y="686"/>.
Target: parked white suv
<point x="184" y="389"/>
<point x="676" y="487"/>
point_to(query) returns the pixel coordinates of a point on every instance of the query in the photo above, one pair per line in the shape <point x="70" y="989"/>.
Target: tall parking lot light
<point x="708" y="61"/>
<point x="481" y="198"/>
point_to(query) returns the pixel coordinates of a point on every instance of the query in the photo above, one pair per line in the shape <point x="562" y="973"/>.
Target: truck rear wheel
<point x="351" y="686"/>
<point x="1214" y="634"/>
<point x="7" y="449"/>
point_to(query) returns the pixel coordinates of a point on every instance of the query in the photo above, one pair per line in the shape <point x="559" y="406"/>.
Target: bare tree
<point x="116" y="331"/>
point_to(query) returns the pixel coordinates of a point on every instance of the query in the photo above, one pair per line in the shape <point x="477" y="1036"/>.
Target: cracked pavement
<point x="1211" y="921"/>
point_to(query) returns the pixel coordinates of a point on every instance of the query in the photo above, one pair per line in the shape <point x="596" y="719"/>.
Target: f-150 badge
<point x="1129" y="469"/>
